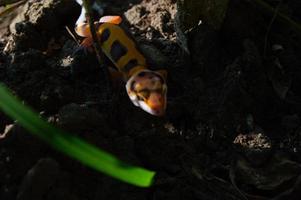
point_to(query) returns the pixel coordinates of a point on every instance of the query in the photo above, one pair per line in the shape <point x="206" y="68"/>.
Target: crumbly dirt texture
<point x="232" y="128"/>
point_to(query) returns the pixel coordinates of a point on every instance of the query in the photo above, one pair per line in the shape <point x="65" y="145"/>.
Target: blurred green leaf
<point x="73" y="146"/>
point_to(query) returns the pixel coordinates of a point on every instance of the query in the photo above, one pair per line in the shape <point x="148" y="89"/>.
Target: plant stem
<point x="96" y="44"/>
<point x="296" y="26"/>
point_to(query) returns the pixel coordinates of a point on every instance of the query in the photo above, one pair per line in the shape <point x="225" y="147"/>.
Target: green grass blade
<point x="73" y="146"/>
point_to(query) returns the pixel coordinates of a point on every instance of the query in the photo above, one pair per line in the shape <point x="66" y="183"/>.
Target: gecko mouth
<point x="157" y="111"/>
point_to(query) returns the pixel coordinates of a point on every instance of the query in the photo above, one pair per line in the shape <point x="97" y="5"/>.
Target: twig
<point x="11" y="7"/>
<point x="296" y="26"/>
<point x="96" y="44"/>
<point x="276" y="11"/>
<point x="72" y="35"/>
<point x="6" y="2"/>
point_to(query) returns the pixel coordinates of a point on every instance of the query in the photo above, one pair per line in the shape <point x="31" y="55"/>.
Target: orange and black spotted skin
<point x="146" y="88"/>
<point x="121" y="49"/>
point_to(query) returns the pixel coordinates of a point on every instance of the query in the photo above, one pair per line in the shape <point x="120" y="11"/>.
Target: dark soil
<point x="232" y="128"/>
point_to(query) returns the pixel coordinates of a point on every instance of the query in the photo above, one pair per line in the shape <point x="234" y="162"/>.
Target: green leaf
<point x="73" y="146"/>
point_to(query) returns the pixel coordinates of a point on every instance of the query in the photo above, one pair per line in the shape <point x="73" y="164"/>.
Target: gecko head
<point x="147" y="89"/>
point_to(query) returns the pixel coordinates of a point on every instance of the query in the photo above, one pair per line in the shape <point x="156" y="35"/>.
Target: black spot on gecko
<point x="130" y="65"/>
<point x="117" y="50"/>
<point x="105" y="35"/>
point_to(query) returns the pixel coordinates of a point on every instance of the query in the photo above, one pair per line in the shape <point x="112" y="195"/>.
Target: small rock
<point x="55" y="95"/>
<point x="134" y="15"/>
<point x="79" y="118"/>
<point x="256" y="147"/>
<point x="290" y="122"/>
<point x="189" y="14"/>
<point x="253" y="140"/>
<point x="274" y="175"/>
<point x="37" y="21"/>
<point x="26" y="37"/>
<point x="154" y="54"/>
<point x="156" y="15"/>
<point x="45" y="15"/>
<point x="22" y="63"/>
<point x="39" y="179"/>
